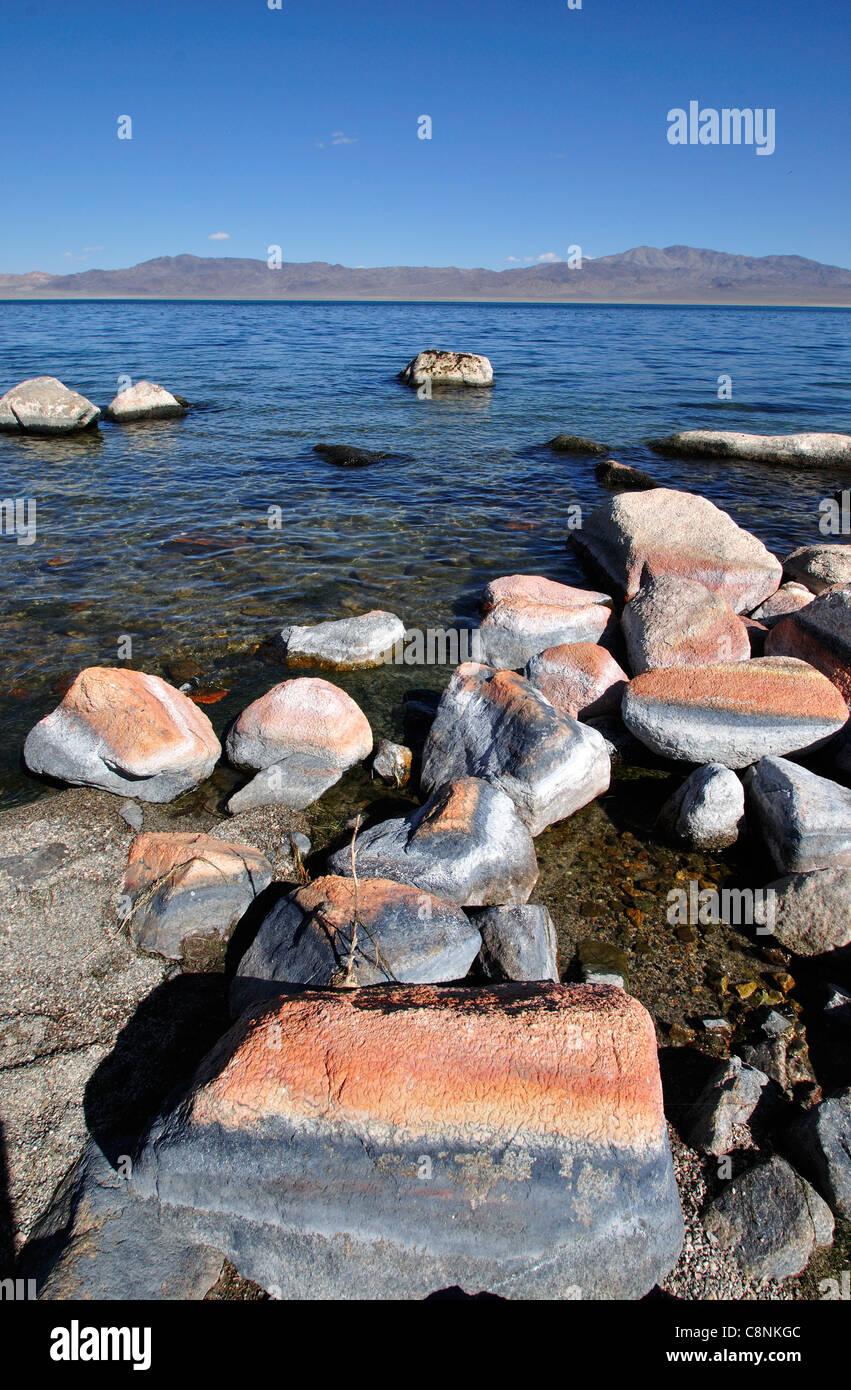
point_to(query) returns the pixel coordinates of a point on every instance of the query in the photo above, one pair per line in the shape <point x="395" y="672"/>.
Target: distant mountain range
<point x="675" y="275"/>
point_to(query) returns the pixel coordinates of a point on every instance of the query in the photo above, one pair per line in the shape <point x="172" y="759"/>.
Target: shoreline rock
<point x="447" y="369"/>
<point x="348" y="644"/>
<point x="808" y="449"/>
<point x="43" y="405"/>
<point x="144" y="401"/>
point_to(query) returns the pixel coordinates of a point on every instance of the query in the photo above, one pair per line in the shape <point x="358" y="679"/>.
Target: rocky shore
<point x="550" y="999"/>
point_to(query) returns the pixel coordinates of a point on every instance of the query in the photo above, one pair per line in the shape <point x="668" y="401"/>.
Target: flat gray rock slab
<point x="771" y="1219"/>
<point x="345" y="645"/>
<point x="467" y="845"/>
<point x="805" y="450"/>
<point x="496" y="725"/>
<point x="804" y="819"/>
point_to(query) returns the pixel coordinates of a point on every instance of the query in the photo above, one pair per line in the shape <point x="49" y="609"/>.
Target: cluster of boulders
<point x="409" y="1099"/>
<point x="43" y="405"/>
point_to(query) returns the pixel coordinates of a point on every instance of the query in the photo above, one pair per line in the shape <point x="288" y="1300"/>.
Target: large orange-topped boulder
<point x="126" y="732"/>
<point x="386" y="1143"/>
<point x="680" y="534"/>
<point x="733" y="712"/>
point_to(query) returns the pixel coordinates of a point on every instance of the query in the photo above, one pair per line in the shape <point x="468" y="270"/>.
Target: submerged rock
<point x="302" y="735"/>
<point x="346" y="645"/>
<point x="819" y="567"/>
<point x="467" y="844"/>
<point x="673" y="621"/>
<point x="808" y="450"/>
<point x="43" y="405"/>
<point x="144" y="401"/>
<point x="448" y="369"/>
<point x="804" y="819"/>
<point x="820" y="634"/>
<point x="390" y="1142"/>
<point x="524" y="614"/>
<point x="575" y="444"/>
<point x="622" y="477"/>
<point x="680" y="534"/>
<point x="518" y="943"/>
<point x="188" y="891"/>
<point x="707" y="810"/>
<point x="347" y="455"/>
<point x="495" y="725"/>
<point x="580" y="679"/>
<point x="336" y="932"/>
<point x="812" y="911"/>
<point x="733" y="712"/>
<point x="771" y="1220"/>
<point x="126" y="732"/>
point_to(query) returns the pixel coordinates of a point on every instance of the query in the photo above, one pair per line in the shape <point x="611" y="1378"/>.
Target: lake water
<point x="160" y="532"/>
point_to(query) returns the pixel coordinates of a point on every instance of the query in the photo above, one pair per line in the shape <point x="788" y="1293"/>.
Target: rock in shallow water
<point x="43" y="405"/>
<point x="518" y="943"/>
<point x="392" y="763"/>
<point x="674" y="621"/>
<point x="347" y="645"/>
<point x="125" y="732"/>
<point x="144" y="401"/>
<point x="804" y="819"/>
<point x="680" y="534"/>
<point x="387" y="1143"/>
<point x="524" y="614"/>
<point x="335" y="932"/>
<point x="809" y="450"/>
<point x="495" y="725"/>
<point x="448" y="369"/>
<point x="302" y="735"/>
<point x="575" y="444"/>
<point x="188" y="891"/>
<point x="347" y="455"/>
<point x="467" y="844"/>
<point x="707" y="810"/>
<point x="622" y="477"/>
<point x="733" y="712"/>
<point x="771" y="1220"/>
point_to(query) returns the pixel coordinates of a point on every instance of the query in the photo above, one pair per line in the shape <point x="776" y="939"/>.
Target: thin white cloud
<point x="545" y="258"/>
<point x="219" y="236"/>
<point x="548" y="257"/>
<point x="338" y="138"/>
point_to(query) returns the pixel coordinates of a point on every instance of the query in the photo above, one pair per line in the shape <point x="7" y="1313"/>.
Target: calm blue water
<point x="473" y="495"/>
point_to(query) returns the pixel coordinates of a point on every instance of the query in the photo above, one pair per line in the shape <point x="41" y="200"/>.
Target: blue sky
<point x="298" y="127"/>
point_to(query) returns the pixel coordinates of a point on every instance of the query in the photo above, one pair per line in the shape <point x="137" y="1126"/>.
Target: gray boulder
<point x="812" y="911"/>
<point x="707" y="810"/>
<point x="335" y="932"/>
<point x="444" y="369"/>
<point x="821" y="1144"/>
<point x="804" y="819"/>
<point x="392" y="763"/>
<point x="43" y="405"/>
<point x="496" y="725"/>
<point x="820" y="633"/>
<point x="518" y="943"/>
<point x="144" y="401"/>
<point x="467" y="845"/>
<point x="727" y="1102"/>
<point x="819" y="567"/>
<point x="771" y="1221"/>
<point x="790" y="598"/>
